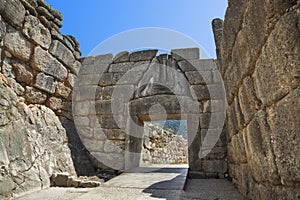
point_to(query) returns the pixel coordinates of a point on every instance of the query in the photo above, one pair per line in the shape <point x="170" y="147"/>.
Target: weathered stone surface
<point x="214" y="166"/>
<point x="92" y="69"/>
<point x="103" y="59"/>
<point x="212" y="106"/>
<point x="2" y="28"/>
<point x="185" y="54"/>
<point x="36" y="31"/>
<point x="71" y="80"/>
<point x="29" y="7"/>
<point x="33" y="3"/>
<point x="259" y="151"/>
<point x="232" y="24"/>
<point x="103" y="107"/>
<point x="116" y="134"/>
<point x="66" y="180"/>
<point x="259" y="60"/>
<point x="43" y="11"/>
<point x="54" y="103"/>
<point x="15" y="86"/>
<point x="236" y="149"/>
<point x="199" y="77"/>
<point x="217" y="25"/>
<point x="243" y="179"/>
<point x="23" y="74"/>
<point x="13" y="12"/>
<point x="81" y="121"/>
<point x="28" y="148"/>
<point x="104" y="93"/>
<point x="216" y="137"/>
<point x="82" y="108"/>
<point x="34" y="96"/>
<point x="109" y="160"/>
<point x="99" y="133"/>
<point x="106" y="79"/>
<point x="237" y="68"/>
<point x="285" y="136"/>
<point x="60" y="51"/>
<point x="45" y="83"/>
<point x="121" y="67"/>
<point x="17" y="44"/>
<point x="112" y="121"/>
<point x="200" y="91"/>
<point x="121" y="57"/>
<point x="75" y="67"/>
<point x="142" y="55"/>
<point x="88" y="80"/>
<point x="110" y="147"/>
<point x="276" y="68"/>
<point x="7" y="68"/>
<point x="44" y="4"/>
<point x="163" y="147"/>
<point x="85" y="93"/>
<point x="93" y="145"/>
<point x="48" y="25"/>
<point x="62" y="90"/>
<point x="58" y="23"/>
<point x="43" y="61"/>
<point x="74" y="41"/>
<point x="196" y="65"/>
<point x="248" y="100"/>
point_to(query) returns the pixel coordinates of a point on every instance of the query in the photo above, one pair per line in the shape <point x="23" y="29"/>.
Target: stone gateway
<point x="63" y="115"/>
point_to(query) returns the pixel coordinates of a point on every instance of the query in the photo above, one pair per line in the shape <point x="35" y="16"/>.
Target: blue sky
<point x="94" y="21"/>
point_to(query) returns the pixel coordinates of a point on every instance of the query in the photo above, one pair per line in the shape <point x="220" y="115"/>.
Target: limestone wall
<point x="259" y="55"/>
<point x="38" y="68"/>
<point x="115" y="94"/>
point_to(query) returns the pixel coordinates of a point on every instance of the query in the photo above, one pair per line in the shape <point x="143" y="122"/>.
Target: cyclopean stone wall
<point x="115" y="95"/>
<point x="38" y="68"/>
<point x="258" y="48"/>
<point x="161" y="146"/>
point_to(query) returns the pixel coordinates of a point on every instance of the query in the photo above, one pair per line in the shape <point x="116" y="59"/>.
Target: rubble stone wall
<point x="258" y="48"/>
<point x="161" y="146"/>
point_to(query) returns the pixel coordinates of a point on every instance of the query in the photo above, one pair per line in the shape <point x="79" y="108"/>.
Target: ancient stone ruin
<point x="161" y="146"/>
<point x="60" y="113"/>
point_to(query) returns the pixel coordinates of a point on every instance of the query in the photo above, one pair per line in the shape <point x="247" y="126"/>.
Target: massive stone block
<point x="2" y="29"/>
<point x="142" y="55"/>
<point x="43" y="61"/>
<point x="36" y="31"/>
<point x="45" y="83"/>
<point x="61" y="52"/>
<point x="27" y="149"/>
<point x="248" y="100"/>
<point x="34" y="96"/>
<point x="279" y="61"/>
<point x="23" y="74"/>
<point x="285" y="135"/>
<point x="13" y="12"/>
<point x="186" y="54"/>
<point x="17" y="44"/>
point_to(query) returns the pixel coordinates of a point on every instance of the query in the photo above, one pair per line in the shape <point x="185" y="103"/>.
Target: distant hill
<point x="178" y="127"/>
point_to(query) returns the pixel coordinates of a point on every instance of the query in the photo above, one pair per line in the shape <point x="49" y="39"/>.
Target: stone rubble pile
<point x="163" y="147"/>
<point x="66" y="180"/>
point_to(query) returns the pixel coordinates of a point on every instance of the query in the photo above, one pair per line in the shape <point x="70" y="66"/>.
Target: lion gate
<point x="114" y="96"/>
